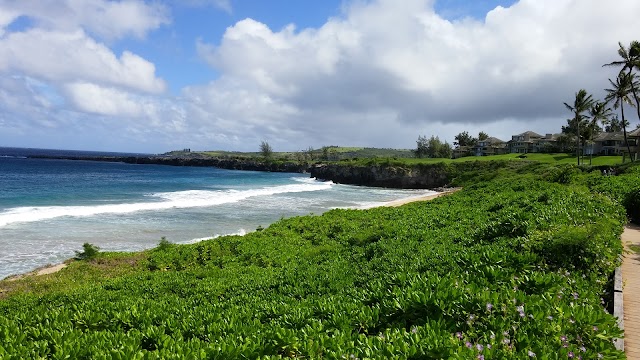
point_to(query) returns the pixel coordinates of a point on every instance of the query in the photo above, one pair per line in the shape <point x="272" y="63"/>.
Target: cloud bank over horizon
<point x="75" y="74"/>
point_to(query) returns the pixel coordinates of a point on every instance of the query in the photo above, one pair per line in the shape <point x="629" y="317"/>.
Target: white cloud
<point x="380" y="74"/>
<point x="391" y="69"/>
<point x="71" y="56"/>
<point x="104" y="101"/>
<point x="107" y="19"/>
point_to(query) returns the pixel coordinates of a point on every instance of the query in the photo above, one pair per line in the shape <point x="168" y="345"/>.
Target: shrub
<point x="164" y="244"/>
<point x="90" y="252"/>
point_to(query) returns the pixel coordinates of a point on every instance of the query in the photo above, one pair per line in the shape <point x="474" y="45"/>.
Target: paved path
<point x="631" y="281"/>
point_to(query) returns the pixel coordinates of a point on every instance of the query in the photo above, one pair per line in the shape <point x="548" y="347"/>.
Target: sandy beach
<point x="401" y="202"/>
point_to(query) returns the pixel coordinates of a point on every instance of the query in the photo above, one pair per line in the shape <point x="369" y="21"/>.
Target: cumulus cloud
<point x="68" y="56"/>
<point x="400" y="66"/>
<point x="107" y="19"/>
<point x="379" y="74"/>
<point x="56" y="46"/>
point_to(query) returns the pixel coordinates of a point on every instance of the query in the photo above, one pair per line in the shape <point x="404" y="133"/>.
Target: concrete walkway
<point x="631" y="294"/>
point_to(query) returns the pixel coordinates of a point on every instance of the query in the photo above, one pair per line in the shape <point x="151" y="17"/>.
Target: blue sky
<point x="173" y="49"/>
<point x="152" y="76"/>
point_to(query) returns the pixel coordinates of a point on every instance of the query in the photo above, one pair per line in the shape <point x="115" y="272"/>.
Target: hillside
<point x="514" y="265"/>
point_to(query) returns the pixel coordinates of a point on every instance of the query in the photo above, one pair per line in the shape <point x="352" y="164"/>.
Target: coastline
<point x="441" y="192"/>
<point x="54" y="268"/>
<point x="43" y="270"/>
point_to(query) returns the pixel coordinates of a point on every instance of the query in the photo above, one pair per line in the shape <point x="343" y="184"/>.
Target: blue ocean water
<point x="49" y="208"/>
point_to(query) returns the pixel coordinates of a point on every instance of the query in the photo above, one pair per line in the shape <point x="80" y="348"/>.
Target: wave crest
<point x="165" y="200"/>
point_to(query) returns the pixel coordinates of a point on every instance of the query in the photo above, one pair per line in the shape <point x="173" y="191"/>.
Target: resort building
<point x="531" y="142"/>
<point x="461" y="151"/>
<point x="612" y="143"/>
<point x="490" y="146"/>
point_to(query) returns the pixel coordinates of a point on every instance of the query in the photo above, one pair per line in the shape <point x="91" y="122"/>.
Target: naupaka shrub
<point x="508" y="269"/>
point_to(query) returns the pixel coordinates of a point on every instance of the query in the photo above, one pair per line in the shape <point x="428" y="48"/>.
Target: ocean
<point x="49" y="208"/>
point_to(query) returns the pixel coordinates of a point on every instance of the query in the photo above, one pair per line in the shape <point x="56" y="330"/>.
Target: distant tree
<point x="446" y="151"/>
<point x="310" y="153"/>
<point x="581" y="104"/>
<point x="422" y="147"/>
<point x="630" y="61"/>
<point x="619" y="95"/>
<point x="464" y="139"/>
<point x="613" y="124"/>
<point x="482" y="136"/>
<point x="432" y="148"/>
<point x="599" y="113"/>
<point x="325" y="153"/>
<point x="565" y="142"/>
<point x="266" y="150"/>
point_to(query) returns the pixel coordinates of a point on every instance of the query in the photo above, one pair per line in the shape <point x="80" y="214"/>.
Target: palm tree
<point x="619" y="95"/>
<point x="630" y="60"/>
<point x="582" y="103"/>
<point x="599" y="113"/>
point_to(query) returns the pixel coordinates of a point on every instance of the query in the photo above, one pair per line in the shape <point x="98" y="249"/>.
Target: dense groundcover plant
<point x="509" y="269"/>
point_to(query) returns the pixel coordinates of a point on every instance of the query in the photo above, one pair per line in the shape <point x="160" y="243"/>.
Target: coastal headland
<point x="369" y="172"/>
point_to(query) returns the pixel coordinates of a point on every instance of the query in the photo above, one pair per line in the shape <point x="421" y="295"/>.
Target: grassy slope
<point x="354" y="282"/>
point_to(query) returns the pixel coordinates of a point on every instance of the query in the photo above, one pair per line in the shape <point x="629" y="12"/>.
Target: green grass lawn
<point x="359" y="154"/>
<point x="545" y="158"/>
<point x="553" y="158"/>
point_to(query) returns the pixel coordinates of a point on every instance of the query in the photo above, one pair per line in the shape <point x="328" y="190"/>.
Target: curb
<point x="618" y="306"/>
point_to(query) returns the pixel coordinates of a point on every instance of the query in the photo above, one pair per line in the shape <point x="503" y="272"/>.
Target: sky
<point x="156" y="76"/>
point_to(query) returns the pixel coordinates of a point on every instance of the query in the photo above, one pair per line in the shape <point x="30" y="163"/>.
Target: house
<point x="612" y="143"/>
<point x="461" y="151"/>
<point x="530" y="141"/>
<point x="490" y="146"/>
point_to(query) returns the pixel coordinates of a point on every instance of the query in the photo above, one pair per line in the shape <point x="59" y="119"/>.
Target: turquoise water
<point x="49" y="208"/>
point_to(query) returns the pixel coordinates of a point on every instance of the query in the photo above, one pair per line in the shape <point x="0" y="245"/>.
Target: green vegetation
<point x="511" y="267"/>
<point x="331" y="153"/>
<point x="432" y="148"/>
<point x="367" y="156"/>
<point x="90" y="252"/>
<point x="555" y="159"/>
<point x="265" y="150"/>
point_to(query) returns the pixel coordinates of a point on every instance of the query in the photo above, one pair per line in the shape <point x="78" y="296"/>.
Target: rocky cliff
<point x="390" y="174"/>
<point x="230" y="164"/>
<point x="415" y="177"/>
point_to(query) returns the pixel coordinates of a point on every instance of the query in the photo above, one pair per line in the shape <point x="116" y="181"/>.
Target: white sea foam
<point x="158" y="201"/>
<point x="240" y="232"/>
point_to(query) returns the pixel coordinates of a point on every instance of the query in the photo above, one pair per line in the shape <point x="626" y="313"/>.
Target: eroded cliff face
<point x="423" y="177"/>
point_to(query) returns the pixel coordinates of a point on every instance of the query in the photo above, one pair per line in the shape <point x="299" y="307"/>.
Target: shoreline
<point x="54" y="268"/>
<point x="439" y="193"/>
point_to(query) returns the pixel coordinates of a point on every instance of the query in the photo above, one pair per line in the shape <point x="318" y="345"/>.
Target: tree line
<point x="589" y="114"/>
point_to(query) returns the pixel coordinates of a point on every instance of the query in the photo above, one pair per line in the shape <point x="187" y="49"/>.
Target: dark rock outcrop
<point x="415" y="177"/>
<point x="230" y="164"/>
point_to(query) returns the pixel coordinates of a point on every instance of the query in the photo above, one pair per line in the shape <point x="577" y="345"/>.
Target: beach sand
<point x="45" y="270"/>
<point x="401" y="202"/>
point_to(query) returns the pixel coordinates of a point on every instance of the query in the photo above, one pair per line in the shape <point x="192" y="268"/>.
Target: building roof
<point x="493" y="140"/>
<point x="531" y="134"/>
<point x="610" y="136"/>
